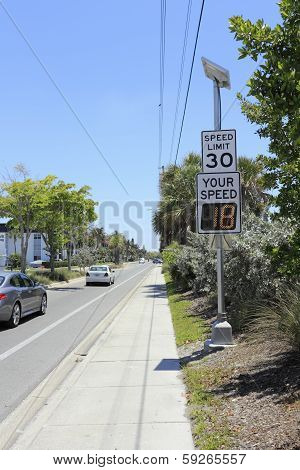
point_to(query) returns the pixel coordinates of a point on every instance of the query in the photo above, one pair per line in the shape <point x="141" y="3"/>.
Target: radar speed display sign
<point x="218" y="202"/>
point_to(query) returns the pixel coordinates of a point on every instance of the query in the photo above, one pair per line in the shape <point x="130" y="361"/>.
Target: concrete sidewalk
<point x="127" y="392"/>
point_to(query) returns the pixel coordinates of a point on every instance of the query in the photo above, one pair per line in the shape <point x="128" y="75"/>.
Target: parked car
<point x="36" y="264"/>
<point x="142" y="260"/>
<point x="157" y="261"/>
<point x="20" y="296"/>
<point x="100" y="274"/>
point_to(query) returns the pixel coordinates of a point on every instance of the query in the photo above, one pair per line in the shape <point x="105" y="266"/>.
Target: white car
<point x="142" y="260"/>
<point x="100" y="274"/>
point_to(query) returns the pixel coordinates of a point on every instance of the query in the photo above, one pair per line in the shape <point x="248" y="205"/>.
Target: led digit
<point x="219" y="216"/>
<point x="227" y="217"/>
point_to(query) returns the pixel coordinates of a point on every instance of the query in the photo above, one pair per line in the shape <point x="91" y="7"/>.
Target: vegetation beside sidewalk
<point x="188" y="327"/>
<point x="246" y="397"/>
<point x="209" y="431"/>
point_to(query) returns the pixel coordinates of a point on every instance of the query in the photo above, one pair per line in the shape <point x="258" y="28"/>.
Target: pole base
<point x="221" y="336"/>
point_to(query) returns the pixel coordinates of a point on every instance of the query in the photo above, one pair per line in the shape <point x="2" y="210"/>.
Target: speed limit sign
<point x="219" y="151"/>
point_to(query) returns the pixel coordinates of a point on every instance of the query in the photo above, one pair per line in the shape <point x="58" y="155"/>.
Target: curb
<point x="14" y="425"/>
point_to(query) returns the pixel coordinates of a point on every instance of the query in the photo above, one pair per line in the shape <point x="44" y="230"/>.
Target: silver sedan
<point x="20" y="296"/>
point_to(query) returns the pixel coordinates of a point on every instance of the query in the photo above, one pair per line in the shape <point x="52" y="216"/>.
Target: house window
<point x="2" y="238"/>
<point x="37" y="236"/>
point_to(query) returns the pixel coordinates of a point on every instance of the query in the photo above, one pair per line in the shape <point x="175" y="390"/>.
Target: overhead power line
<point x="66" y="101"/>
<point x="190" y="77"/>
<point x="163" y="12"/>
<point x="186" y="33"/>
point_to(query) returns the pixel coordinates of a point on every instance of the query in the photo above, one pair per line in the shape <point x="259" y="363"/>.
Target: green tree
<point x="21" y="202"/>
<point x="176" y="212"/>
<point x="117" y="244"/>
<point x="254" y="196"/>
<point x="51" y="221"/>
<point x="79" y="213"/>
<point x="274" y="89"/>
<point x="85" y="256"/>
<point x="14" y="261"/>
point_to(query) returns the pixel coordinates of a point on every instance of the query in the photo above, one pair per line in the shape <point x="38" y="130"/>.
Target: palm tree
<point x="253" y="189"/>
<point x="176" y="211"/>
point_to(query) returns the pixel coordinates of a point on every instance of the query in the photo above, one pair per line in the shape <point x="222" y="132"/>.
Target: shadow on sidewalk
<point x="157" y="291"/>
<point x="168" y="364"/>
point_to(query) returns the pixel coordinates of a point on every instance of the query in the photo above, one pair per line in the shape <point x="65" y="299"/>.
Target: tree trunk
<point x="24" y="248"/>
<point x="69" y="255"/>
<point x="52" y="259"/>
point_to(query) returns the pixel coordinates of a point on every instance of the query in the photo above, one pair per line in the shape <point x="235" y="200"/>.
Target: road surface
<point x="31" y="351"/>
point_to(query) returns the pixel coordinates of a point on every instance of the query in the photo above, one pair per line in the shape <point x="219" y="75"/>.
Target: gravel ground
<point x="260" y="391"/>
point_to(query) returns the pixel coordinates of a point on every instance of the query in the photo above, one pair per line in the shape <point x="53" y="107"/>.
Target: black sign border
<point x="216" y="232"/>
<point x="202" y="152"/>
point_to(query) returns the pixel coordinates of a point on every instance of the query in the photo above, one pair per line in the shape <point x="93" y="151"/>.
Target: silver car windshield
<point x="98" y="268"/>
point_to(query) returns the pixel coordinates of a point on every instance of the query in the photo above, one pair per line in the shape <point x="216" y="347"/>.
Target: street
<point x="31" y="351"/>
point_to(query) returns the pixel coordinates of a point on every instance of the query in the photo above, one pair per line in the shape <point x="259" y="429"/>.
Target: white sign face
<point x="219" y="151"/>
<point x="218" y="202"/>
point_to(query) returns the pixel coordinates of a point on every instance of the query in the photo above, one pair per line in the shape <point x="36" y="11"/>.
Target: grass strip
<point x="211" y="429"/>
<point x="188" y="328"/>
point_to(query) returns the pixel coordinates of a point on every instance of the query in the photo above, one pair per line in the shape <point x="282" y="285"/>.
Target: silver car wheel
<point x="44" y="305"/>
<point x="15" y="316"/>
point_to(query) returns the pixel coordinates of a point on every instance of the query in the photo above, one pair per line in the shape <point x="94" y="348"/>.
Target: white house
<point x="9" y="245"/>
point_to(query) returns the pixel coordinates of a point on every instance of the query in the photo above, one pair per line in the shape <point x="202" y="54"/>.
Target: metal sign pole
<point x="221" y="331"/>
<point x="219" y="238"/>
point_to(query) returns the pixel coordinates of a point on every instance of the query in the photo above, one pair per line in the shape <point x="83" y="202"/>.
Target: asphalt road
<point x="31" y="351"/>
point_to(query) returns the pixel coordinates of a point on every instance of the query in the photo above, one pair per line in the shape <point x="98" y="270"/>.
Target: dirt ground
<point x="260" y="393"/>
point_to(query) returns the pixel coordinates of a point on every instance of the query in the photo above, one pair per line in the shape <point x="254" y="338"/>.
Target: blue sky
<point x="104" y="57"/>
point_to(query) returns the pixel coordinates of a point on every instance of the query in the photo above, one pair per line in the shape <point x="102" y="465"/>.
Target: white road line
<point x="32" y="338"/>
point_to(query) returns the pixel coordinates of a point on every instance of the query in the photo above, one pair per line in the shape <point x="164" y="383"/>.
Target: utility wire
<point x="186" y="33"/>
<point x="163" y="12"/>
<point x="190" y="77"/>
<point x="66" y="101"/>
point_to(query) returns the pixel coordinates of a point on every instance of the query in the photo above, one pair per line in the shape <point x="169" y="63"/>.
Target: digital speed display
<point x="219" y="202"/>
<point x="219" y="216"/>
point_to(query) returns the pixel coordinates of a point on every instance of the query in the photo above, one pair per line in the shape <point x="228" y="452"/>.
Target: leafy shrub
<point x="38" y="277"/>
<point x="57" y="264"/>
<point x="250" y="275"/>
<point x="85" y="257"/>
<point x="14" y="260"/>
<point x="61" y="274"/>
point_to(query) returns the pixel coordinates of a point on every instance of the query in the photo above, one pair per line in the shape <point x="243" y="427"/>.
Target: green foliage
<point x="176" y="211"/>
<point x="250" y="273"/>
<point x="177" y="207"/>
<point x="46" y="277"/>
<point x="210" y="431"/>
<point x="21" y="202"/>
<point x="254" y="197"/>
<point x="278" y="319"/>
<point x="275" y="106"/>
<point x="14" y="260"/>
<point x="85" y="256"/>
<point x="188" y="328"/>
<point x="169" y="254"/>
